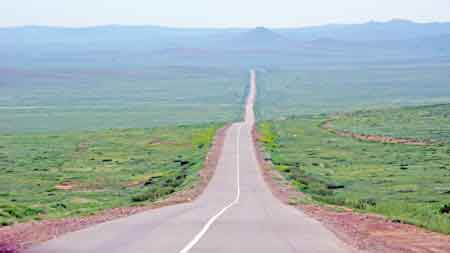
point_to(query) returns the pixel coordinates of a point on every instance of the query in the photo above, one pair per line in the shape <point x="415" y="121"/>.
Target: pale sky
<point x="213" y="13"/>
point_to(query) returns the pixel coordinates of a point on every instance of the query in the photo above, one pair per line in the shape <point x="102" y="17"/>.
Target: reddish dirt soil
<point x="374" y="138"/>
<point x="20" y="236"/>
<point x="64" y="186"/>
<point x="364" y="232"/>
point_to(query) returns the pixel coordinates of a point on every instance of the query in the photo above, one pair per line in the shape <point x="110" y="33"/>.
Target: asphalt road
<point x="236" y="213"/>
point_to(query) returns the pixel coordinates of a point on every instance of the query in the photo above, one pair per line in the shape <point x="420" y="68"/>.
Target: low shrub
<point x="365" y="203"/>
<point x="445" y="209"/>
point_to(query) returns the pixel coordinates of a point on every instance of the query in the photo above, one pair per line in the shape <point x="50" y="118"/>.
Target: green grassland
<point x="52" y="99"/>
<point x="423" y="123"/>
<point x="105" y="169"/>
<point x="403" y="182"/>
<point x="283" y="92"/>
<point x="115" y="137"/>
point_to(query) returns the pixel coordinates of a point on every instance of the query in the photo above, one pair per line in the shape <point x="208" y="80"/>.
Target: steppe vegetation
<point x="75" y="141"/>
<point x="310" y="90"/>
<point x="73" y="99"/>
<point x="54" y="175"/>
<point x="407" y="183"/>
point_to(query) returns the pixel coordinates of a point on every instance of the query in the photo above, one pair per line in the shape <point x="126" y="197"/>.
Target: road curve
<point x="236" y="213"/>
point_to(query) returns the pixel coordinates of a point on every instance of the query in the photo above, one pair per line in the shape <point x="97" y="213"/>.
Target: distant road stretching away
<point x="236" y="213"/>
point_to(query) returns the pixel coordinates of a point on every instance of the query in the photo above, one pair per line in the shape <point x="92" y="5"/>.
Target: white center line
<point x="205" y="228"/>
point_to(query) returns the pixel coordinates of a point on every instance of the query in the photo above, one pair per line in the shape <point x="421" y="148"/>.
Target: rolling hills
<point x="128" y="46"/>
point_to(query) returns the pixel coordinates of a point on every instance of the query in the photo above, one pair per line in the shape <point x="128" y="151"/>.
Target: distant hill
<point x="372" y="31"/>
<point x="184" y="37"/>
<point x="259" y="35"/>
<point x="260" y="38"/>
<point x="393" y="41"/>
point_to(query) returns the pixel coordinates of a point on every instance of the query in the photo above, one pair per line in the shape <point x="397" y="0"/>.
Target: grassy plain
<point x="51" y="99"/>
<point x="78" y="173"/>
<point x="283" y="92"/>
<point x="403" y="182"/>
<point x="422" y="123"/>
<point x="74" y="141"/>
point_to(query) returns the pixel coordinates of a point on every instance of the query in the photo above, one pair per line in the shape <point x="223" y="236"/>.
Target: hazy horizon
<point x="207" y="14"/>
<point x="227" y="27"/>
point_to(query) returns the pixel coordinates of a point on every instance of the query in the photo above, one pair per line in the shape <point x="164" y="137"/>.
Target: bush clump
<point x="335" y="186"/>
<point x="152" y="194"/>
<point x="366" y="203"/>
<point x="445" y="209"/>
<point x="158" y="187"/>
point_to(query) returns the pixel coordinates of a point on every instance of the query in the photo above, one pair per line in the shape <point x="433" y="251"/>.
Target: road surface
<point x="236" y="213"/>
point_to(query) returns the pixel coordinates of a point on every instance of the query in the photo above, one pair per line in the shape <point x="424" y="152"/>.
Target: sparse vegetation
<point x="303" y="91"/>
<point x="430" y="123"/>
<point x="406" y="183"/>
<point x="80" y="173"/>
<point x="98" y="98"/>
